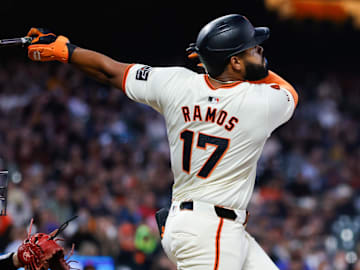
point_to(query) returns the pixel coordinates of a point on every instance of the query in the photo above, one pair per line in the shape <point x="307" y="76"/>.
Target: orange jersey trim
<point x="274" y="78"/>
<point x="126" y="72"/>
<point x="217" y="244"/>
<point x="229" y="85"/>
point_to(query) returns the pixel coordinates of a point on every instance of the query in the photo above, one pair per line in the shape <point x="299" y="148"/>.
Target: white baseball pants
<point x="199" y="239"/>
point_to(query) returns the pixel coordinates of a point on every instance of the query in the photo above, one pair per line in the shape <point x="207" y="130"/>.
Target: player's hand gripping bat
<point x="43" y="45"/>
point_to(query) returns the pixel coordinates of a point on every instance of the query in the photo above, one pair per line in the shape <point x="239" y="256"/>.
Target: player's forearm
<point x="99" y="66"/>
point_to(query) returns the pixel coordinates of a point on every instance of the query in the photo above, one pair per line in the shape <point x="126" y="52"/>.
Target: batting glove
<point x="46" y="46"/>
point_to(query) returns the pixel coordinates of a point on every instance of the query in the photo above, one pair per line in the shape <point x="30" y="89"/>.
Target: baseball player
<point x="217" y="125"/>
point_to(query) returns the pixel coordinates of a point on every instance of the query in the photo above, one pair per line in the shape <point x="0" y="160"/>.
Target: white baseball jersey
<point x="216" y="136"/>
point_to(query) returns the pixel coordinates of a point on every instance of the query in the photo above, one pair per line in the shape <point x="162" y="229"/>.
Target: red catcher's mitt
<point x="41" y="252"/>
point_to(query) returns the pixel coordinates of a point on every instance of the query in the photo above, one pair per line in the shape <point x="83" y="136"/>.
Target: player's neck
<point x="228" y="76"/>
<point x="222" y="79"/>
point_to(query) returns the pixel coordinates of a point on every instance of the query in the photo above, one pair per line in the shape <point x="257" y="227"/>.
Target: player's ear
<point x="236" y="63"/>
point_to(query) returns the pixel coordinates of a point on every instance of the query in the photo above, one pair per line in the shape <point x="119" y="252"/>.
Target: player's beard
<point x="255" y="72"/>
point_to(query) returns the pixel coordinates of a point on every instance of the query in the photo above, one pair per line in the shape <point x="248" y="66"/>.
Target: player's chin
<point x="255" y="72"/>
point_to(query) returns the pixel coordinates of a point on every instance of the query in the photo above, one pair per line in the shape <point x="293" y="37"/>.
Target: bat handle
<point x="15" y="41"/>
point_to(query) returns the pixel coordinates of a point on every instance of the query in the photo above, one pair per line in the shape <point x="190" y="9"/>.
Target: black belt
<point x="220" y="212"/>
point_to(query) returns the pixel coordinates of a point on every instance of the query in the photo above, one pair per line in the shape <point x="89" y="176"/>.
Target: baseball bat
<point x="15" y="41"/>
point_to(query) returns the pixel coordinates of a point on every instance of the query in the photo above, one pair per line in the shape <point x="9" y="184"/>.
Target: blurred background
<point x="76" y="147"/>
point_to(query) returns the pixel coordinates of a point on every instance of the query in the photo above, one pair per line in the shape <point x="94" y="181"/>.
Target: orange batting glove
<point x="46" y="46"/>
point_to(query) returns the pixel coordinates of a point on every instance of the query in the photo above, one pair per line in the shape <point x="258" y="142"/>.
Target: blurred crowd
<point x="76" y="147"/>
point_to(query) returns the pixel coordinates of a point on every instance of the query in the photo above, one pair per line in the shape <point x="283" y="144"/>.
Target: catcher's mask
<point x="224" y="37"/>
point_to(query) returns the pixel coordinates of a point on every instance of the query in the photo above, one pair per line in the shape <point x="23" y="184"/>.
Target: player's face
<point x="255" y="64"/>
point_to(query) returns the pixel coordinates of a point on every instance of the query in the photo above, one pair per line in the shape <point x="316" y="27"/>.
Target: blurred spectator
<point x="59" y="204"/>
<point x="19" y="206"/>
<point x="17" y="236"/>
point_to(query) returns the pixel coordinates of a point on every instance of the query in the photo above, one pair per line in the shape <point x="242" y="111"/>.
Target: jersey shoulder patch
<point x="143" y="73"/>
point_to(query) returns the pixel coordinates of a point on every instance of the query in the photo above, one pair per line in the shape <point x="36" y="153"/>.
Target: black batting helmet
<point x="225" y="37"/>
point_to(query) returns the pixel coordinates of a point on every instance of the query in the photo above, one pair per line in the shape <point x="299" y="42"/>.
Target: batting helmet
<point x="225" y="37"/>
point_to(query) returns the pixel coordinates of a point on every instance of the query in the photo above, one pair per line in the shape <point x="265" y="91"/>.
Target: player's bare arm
<point x="99" y="66"/>
<point x="46" y="46"/>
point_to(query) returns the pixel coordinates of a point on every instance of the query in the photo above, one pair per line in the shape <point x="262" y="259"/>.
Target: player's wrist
<point x="71" y="47"/>
<point x="16" y="261"/>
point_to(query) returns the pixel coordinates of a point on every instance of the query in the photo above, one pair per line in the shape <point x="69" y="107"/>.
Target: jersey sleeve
<point x="152" y="86"/>
<point x="282" y="100"/>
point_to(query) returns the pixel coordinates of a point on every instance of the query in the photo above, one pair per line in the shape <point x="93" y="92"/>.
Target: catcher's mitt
<point x="41" y="251"/>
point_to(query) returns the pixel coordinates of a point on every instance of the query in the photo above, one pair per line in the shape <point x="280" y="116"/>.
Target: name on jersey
<point x="212" y="115"/>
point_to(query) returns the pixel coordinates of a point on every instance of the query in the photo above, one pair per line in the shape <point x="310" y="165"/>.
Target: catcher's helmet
<point x="225" y="37"/>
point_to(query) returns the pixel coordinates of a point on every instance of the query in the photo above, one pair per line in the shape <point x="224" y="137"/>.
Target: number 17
<point x="222" y="144"/>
